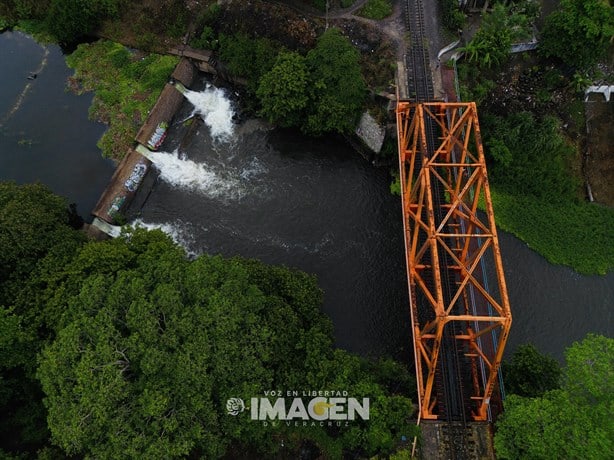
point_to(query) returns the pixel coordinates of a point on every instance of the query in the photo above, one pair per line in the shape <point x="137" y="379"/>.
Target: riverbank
<point x="126" y="86"/>
<point x="534" y="133"/>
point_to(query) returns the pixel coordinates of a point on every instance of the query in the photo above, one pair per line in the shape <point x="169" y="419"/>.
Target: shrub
<point x="69" y="20"/>
<point x="579" y="32"/>
<point x="453" y="19"/>
<point x="536" y="160"/>
<point x="377" y="9"/>
<point x="248" y="57"/>
<point x="109" y="69"/>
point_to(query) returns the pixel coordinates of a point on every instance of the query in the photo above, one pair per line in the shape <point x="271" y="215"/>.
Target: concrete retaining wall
<point x="132" y="169"/>
<point x="122" y="187"/>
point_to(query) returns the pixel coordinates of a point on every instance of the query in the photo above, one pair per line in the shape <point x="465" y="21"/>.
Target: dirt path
<point x="393" y="26"/>
<point x="335" y="13"/>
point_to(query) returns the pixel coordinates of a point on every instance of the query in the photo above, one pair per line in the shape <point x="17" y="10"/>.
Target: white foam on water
<point x="177" y="231"/>
<point x="179" y="171"/>
<point x="215" y="109"/>
<point x="253" y="169"/>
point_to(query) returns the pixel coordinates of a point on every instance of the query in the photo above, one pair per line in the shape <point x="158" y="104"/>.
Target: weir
<point x="111" y="230"/>
<point x="133" y="168"/>
<point x="212" y="106"/>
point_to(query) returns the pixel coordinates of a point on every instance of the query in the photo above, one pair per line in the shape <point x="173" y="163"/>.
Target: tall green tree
<point x="573" y="422"/>
<point x="33" y="221"/>
<point x="529" y="373"/>
<point x="248" y="57"/>
<point x="37" y="239"/>
<point x="337" y="89"/>
<point x="69" y="20"/>
<point x="579" y="32"/>
<point x="151" y="346"/>
<point x="283" y="90"/>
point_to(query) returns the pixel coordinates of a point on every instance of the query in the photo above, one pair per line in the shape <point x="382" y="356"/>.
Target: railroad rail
<point x="460" y="318"/>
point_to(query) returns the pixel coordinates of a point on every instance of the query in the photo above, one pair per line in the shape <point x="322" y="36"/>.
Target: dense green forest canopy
<point x="320" y="92"/>
<point x="37" y="239"/>
<point x="65" y="20"/>
<point x="127" y="349"/>
<point x="529" y="373"/>
<point x="579" y="32"/>
<point x="533" y="126"/>
<point x="573" y="421"/>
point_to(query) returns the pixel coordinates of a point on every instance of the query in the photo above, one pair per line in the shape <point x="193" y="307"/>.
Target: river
<point x="275" y="195"/>
<point x="44" y="131"/>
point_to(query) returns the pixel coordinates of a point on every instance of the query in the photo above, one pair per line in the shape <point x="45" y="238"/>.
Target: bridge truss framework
<point x="443" y="179"/>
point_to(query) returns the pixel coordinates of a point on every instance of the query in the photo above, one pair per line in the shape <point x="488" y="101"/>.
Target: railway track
<point x="453" y="404"/>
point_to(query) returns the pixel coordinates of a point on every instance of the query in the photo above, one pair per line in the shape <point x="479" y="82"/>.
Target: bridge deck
<point x="460" y="322"/>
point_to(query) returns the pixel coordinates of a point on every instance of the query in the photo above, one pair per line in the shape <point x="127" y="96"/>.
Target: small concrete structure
<point x="522" y="47"/>
<point x="606" y="90"/>
<point x="370" y="132"/>
<point x="203" y="59"/>
<point x="401" y="82"/>
<point x="447" y="48"/>
<point x="100" y="229"/>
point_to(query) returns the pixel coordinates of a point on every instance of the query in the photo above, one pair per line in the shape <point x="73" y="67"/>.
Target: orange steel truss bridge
<point x="460" y="315"/>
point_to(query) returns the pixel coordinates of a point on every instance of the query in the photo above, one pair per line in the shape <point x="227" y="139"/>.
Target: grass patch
<point x="529" y="155"/>
<point x="36" y="29"/>
<point x="578" y="235"/>
<point x="377" y="9"/>
<point x="126" y="88"/>
<point x="395" y="185"/>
